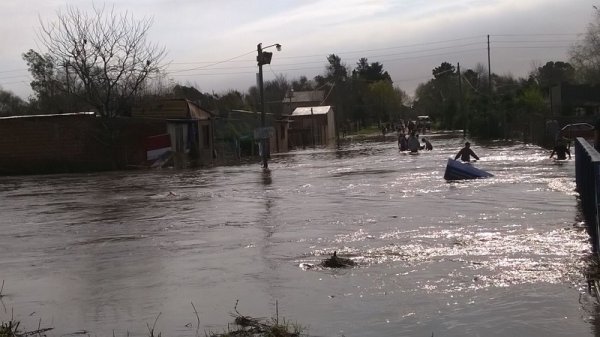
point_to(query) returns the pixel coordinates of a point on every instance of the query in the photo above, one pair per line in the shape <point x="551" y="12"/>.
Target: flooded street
<point x="105" y="252"/>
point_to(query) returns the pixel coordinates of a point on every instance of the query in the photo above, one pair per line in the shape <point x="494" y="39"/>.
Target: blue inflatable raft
<point x="456" y="170"/>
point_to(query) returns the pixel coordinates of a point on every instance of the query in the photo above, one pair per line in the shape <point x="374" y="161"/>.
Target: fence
<point x="587" y="175"/>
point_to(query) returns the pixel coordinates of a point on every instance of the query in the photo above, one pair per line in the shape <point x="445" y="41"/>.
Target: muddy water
<point x="108" y="252"/>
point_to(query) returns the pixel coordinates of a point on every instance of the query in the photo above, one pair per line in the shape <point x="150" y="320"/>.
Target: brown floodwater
<point x="112" y="252"/>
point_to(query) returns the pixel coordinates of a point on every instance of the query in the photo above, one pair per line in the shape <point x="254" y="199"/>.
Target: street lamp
<point x="263" y="57"/>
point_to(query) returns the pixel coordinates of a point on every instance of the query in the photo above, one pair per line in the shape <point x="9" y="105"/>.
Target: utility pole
<point x="312" y="118"/>
<point x="460" y="99"/>
<point x="489" y="67"/>
<point x="263" y="58"/>
<point x="459" y="85"/>
<point x="263" y="141"/>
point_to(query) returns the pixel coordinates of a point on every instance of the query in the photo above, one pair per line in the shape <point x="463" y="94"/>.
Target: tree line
<point x="102" y="61"/>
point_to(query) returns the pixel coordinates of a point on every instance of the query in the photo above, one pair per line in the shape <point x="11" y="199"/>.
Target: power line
<point x="531" y="47"/>
<point x="410" y="45"/>
<point x="541" y="34"/>
<point x="281" y="68"/>
<point x="320" y="62"/>
<point x="531" y="41"/>
<point x="293" y="64"/>
<point x="208" y="68"/>
<point x="220" y="62"/>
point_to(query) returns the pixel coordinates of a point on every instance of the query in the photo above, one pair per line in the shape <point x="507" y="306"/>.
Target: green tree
<point x="45" y="84"/>
<point x="374" y="94"/>
<point x="11" y="104"/>
<point x="50" y="85"/>
<point x="231" y="100"/>
<point x="336" y="81"/>
<point x="302" y="84"/>
<point x="444" y="71"/>
<point x="275" y="92"/>
<point x="439" y="97"/>
<point x="531" y="100"/>
<point x="370" y="72"/>
<point x="553" y="73"/>
<point x="381" y="98"/>
<point x="336" y="71"/>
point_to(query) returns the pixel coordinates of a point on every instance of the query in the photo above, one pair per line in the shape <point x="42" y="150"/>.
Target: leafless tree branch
<point x="106" y="55"/>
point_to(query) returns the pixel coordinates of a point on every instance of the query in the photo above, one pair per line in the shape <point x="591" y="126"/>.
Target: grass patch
<point x="242" y="326"/>
<point x="246" y="326"/>
<point x="11" y="329"/>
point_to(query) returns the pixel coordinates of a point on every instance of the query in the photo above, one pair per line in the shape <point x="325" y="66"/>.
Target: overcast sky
<point x="409" y="37"/>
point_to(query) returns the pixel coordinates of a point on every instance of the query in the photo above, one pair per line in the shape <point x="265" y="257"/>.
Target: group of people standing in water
<point x="411" y="143"/>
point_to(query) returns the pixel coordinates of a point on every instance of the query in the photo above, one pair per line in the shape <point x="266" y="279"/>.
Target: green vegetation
<point x="242" y="326"/>
<point x="11" y="329"/>
<point x="251" y="327"/>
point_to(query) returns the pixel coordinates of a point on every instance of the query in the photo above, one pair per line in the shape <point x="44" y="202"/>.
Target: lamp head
<point x="278" y="46"/>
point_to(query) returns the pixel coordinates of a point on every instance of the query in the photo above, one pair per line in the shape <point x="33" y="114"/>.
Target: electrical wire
<point x="497" y="41"/>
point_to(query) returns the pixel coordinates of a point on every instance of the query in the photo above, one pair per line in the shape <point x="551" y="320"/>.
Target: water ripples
<point x="452" y="257"/>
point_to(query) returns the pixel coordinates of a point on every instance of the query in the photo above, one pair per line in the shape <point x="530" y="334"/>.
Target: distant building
<point x="235" y="134"/>
<point x="297" y="99"/>
<point x="312" y="126"/>
<point x="575" y="100"/>
<point x="190" y="129"/>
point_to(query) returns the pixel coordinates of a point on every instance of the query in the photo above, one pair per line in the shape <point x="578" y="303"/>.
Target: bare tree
<point x="106" y="57"/>
<point x="585" y="54"/>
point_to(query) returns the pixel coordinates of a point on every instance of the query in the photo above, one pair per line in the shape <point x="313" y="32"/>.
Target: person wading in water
<point x="466" y="153"/>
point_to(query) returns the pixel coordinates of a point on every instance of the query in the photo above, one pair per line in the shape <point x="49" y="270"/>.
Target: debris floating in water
<point x="337" y="262"/>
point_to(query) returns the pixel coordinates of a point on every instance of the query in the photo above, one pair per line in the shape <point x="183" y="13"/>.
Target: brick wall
<point x="71" y="143"/>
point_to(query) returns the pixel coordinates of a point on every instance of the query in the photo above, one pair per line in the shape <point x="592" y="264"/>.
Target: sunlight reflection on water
<point x="459" y="258"/>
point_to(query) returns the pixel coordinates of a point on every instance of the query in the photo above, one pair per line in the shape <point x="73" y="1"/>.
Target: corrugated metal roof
<point x="316" y="110"/>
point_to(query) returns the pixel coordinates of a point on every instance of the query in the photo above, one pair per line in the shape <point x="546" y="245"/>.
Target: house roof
<point x="172" y="108"/>
<point x="196" y="112"/>
<point x="316" y="110"/>
<point x="305" y="96"/>
<point x="87" y="113"/>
